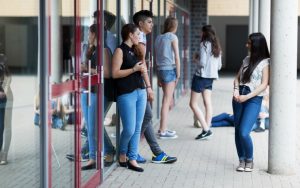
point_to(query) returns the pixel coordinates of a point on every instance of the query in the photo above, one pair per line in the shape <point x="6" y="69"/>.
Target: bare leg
<point x="168" y="90"/>
<point x="206" y="94"/>
<point x="195" y="97"/>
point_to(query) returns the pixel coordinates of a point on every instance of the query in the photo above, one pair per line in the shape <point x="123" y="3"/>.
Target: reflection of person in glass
<point x="6" y="102"/>
<point x="110" y="42"/>
<point x="129" y="75"/>
<point x="89" y="111"/>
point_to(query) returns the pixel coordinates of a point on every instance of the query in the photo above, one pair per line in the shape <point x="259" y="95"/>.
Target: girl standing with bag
<point x="128" y="72"/>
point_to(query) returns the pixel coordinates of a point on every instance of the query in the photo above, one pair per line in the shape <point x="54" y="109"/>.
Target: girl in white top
<point x="168" y="71"/>
<point x="207" y="71"/>
<point x="249" y="87"/>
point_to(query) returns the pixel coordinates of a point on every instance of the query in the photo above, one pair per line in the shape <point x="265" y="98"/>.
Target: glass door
<point x="63" y="103"/>
<point x="75" y="102"/>
<point x="90" y="15"/>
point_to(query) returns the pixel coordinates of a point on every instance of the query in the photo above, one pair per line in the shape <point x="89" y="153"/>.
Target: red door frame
<point x="74" y="86"/>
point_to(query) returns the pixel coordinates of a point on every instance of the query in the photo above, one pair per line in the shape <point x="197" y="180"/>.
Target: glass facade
<point x="83" y="125"/>
<point x="19" y="137"/>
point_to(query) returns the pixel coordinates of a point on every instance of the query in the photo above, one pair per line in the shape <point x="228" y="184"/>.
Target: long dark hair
<point x="209" y="34"/>
<point x="3" y="67"/>
<point x="92" y="48"/>
<point x="258" y="51"/>
<point x="126" y="30"/>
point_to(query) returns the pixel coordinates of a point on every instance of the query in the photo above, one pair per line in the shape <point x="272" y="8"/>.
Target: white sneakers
<point x="168" y="134"/>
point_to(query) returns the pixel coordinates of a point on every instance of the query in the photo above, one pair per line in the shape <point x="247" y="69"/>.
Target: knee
<point x="244" y="134"/>
<point x="127" y="132"/>
<point x="148" y="115"/>
<point x="192" y="106"/>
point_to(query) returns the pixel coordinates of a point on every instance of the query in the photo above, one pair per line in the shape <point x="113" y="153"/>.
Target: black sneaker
<point x="204" y="135"/>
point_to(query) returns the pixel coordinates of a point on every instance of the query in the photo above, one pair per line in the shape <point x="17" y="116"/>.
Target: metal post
<point x="44" y="95"/>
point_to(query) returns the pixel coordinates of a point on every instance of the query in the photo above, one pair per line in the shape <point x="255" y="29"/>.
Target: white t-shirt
<point x="256" y="77"/>
<point x="142" y="38"/>
<point x="209" y="65"/>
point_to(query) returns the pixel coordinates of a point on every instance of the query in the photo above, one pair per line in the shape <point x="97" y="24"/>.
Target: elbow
<point x="115" y="75"/>
<point x="265" y="85"/>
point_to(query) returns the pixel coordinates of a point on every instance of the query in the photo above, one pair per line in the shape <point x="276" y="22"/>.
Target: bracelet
<point x="148" y="86"/>
<point x="133" y="69"/>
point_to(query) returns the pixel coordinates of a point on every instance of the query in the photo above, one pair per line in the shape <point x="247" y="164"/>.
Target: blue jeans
<point x="167" y="76"/>
<point x="199" y="84"/>
<point x="2" y="115"/>
<point x="132" y="109"/>
<point x="108" y="146"/>
<point x="245" y="115"/>
<point x="222" y="120"/>
<point x="89" y="113"/>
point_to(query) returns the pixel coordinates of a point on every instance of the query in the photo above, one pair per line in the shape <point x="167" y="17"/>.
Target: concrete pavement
<point x="208" y="163"/>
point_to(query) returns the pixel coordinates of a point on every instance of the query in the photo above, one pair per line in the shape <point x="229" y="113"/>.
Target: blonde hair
<point x="170" y="24"/>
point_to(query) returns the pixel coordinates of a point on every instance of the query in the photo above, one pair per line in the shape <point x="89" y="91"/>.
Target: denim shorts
<point x="166" y="76"/>
<point x="199" y="84"/>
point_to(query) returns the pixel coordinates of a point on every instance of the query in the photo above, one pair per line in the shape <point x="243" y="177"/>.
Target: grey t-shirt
<point x="165" y="52"/>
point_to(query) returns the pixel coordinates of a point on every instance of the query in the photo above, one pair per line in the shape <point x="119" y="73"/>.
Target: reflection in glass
<point x="20" y="152"/>
<point x="89" y="99"/>
<point x="110" y="121"/>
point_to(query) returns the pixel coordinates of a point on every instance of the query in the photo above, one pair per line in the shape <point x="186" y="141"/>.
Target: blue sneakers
<point x="163" y="158"/>
<point x="140" y="159"/>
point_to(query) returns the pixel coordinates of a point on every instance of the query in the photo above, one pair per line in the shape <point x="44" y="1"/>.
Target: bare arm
<point x="145" y="74"/>
<point x="107" y="63"/>
<point x="177" y="60"/>
<point x="150" y="93"/>
<point x="236" y="84"/>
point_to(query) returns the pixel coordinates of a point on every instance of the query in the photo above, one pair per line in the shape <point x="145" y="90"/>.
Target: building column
<point x="56" y="49"/>
<point x="255" y="12"/>
<point x="283" y="87"/>
<point x="265" y="19"/>
<point x="250" y="25"/>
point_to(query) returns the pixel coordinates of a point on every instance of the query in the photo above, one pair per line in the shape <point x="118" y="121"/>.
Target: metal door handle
<point x="89" y="82"/>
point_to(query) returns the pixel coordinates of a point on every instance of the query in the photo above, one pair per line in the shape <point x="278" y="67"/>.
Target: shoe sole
<point x="204" y="138"/>
<point x="72" y="159"/>
<point x="240" y="169"/>
<point x="248" y="170"/>
<point x="3" y="163"/>
<point x="166" y="138"/>
<point x="165" y="162"/>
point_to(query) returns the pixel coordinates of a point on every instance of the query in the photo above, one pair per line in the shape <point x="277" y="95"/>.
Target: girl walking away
<point x="249" y="88"/>
<point x="206" y="72"/>
<point x="128" y="72"/>
<point x="168" y="68"/>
